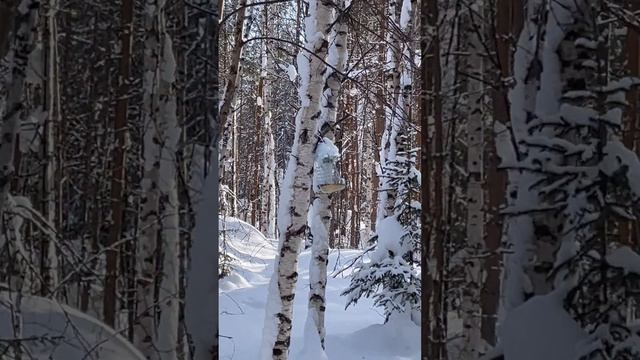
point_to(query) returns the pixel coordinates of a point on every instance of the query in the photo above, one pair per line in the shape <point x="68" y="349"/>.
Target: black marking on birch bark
<point x="283" y="318"/>
<point x="293" y="276"/>
<point x="289" y="297"/>
<point x="285" y="341"/>
<point x="304" y="136"/>
<point x="285" y="249"/>
<point x="316" y="115"/>
<point x="297" y="232"/>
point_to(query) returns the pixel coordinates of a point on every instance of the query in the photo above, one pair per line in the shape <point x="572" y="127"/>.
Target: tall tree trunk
<point x="268" y="216"/>
<point x="49" y="256"/>
<point x="294" y="204"/>
<point x="630" y="132"/>
<point x="495" y="179"/>
<point x="145" y="329"/>
<point x="201" y="293"/>
<point x="320" y="219"/>
<point x="118" y="165"/>
<point x="425" y="185"/>
<point x="393" y="121"/>
<point x="435" y="334"/>
<point x="167" y="340"/>
<point x="471" y="306"/>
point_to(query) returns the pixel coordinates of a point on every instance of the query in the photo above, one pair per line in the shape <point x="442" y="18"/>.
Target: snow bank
<point x="60" y="332"/>
<point x="541" y="329"/>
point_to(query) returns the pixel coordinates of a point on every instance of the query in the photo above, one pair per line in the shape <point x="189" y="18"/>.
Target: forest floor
<point x="352" y="334"/>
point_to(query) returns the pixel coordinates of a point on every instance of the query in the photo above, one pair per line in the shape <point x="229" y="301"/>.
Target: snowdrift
<point x="51" y="330"/>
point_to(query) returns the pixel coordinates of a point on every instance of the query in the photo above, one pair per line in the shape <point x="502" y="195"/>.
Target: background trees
<point x="110" y="147"/>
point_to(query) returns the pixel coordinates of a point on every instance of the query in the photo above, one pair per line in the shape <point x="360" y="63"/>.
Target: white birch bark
<point x="167" y="339"/>
<point x="320" y="220"/>
<point x="268" y="217"/>
<point x="160" y="201"/>
<point x="144" y="329"/>
<point x="470" y="306"/>
<point x="386" y="196"/>
<point x="294" y="203"/>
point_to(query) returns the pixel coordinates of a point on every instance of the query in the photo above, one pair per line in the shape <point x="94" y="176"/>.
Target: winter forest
<point x="511" y="236"/>
<point x="319" y="179"/>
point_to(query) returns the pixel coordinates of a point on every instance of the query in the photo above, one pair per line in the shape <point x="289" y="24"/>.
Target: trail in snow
<point x="353" y="334"/>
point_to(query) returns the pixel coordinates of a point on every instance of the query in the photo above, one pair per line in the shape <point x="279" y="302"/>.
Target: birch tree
<point x="269" y="205"/>
<point x="470" y="306"/>
<point x="294" y="201"/>
<point x="320" y="216"/>
<point x="160" y="203"/>
<point x="149" y="217"/>
<point x="169" y="208"/>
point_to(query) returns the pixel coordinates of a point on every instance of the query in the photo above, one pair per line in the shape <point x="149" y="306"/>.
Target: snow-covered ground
<point x="51" y="330"/>
<point x="352" y="334"/>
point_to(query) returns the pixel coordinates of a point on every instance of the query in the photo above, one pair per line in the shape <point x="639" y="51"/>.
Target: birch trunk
<point x="386" y="196"/>
<point x="471" y="307"/>
<point x="320" y="220"/>
<point x="294" y="204"/>
<point x="169" y="209"/>
<point x="268" y="218"/>
<point x="144" y="329"/>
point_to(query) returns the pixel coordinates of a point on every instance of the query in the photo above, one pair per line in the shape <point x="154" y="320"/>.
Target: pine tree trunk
<point x="631" y="125"/>
<point x="435" y="335"/>
<point x="495" y="178"/>
<point x="294" y="204"/>
<point x="50" y="259"/>
<point x="118" y="165"/>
